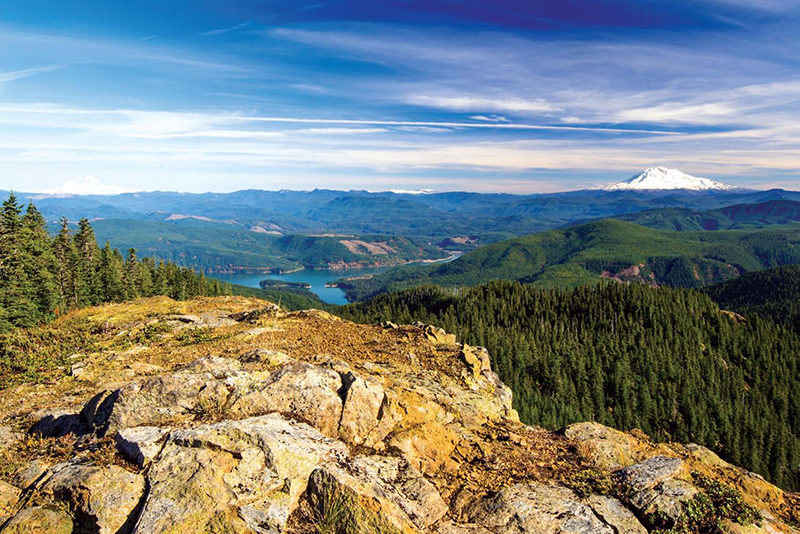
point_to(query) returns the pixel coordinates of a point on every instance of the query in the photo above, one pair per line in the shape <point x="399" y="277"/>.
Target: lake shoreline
<point x="334" y="267"/>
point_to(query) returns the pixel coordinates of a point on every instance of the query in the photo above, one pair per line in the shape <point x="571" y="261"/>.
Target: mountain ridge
<point x="607" y="248"/>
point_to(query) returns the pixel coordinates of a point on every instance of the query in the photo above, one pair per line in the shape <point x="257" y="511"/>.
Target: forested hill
<point x="773" y="294"/>
<point x="630" y="356"/>
<point x="609" y="248"/>
<point x="41" y="277"/>
<point x="736" y="217"/>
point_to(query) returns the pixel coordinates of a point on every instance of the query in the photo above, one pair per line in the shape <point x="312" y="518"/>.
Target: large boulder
<point x="544" y="509"/>
<point x="9" y="497"/>
<point x="198" y="388"/>
<point x="602" y="446"/>
<point x="217" y="388"/>
<point x="39" y="520"/>
<point x="657" y="485"/>
<point x="436" y="335"/>
<point x="366" y="416"/>
<point x="103" y="499"/>
<point x="427" y="447"/>
<point x="308" y="392"/>
<point x="376" y="494"/>
<point x="141" y="444"/>
<point x="246" y="474"/>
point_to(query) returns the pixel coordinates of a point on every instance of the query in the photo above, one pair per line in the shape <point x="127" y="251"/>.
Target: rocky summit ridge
<point x="229" y="415"/>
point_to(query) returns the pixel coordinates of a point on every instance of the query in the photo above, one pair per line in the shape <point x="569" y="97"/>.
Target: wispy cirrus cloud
<point x="229" y="29"/>
<point x="462" y="107"/>
<point x="470" y="103"/>
<point x="13" y="75"/>
<point x="71" y="49"/>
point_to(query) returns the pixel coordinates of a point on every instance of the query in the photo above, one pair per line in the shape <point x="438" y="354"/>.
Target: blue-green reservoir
<point x="315" y="278"/>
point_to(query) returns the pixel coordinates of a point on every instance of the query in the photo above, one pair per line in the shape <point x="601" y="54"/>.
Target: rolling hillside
<point x="604" y="249"/>
<point x="217" y="247"/>
<point x="739" y="216"/>
<point x="772" y="294"/>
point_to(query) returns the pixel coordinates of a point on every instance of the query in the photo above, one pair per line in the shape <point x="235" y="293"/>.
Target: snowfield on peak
<point x="661" y="178"/>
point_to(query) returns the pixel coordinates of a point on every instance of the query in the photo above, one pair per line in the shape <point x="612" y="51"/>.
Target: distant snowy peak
<point x="662" y="178"/>
<point x="405" y="191"/>
<point x="412" y="191"/>
<point x="85" y="185"/>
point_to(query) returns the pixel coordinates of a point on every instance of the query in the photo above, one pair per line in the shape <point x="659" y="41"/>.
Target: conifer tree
<point x="64" y="251"/>
<point x="17" y="293"/>
<point x="40" y="262"/>
<point x="85" y="268"/>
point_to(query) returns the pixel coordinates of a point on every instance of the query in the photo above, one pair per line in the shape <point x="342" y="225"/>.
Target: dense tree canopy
<point x="41" y="277"/>
<point x="630" y="356"/>
<point x="773" y="294"/>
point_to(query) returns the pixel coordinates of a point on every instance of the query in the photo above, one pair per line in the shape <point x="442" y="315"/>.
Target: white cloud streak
<point x="225" y="30"/>
<point x="26" y="73"/>
<point x="432" y="104"/>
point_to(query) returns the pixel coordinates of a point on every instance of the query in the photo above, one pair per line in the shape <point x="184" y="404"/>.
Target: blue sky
<point x="517" y="96"/>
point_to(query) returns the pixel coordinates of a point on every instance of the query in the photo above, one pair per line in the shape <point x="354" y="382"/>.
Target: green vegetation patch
<point x="709" y="510"/>
<point x="611" y="249"/>
<point x="667" y="361"/>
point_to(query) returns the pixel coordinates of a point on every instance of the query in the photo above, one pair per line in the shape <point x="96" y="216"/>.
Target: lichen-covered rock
<point x="273" y="358"/>
<point x="476" y="358"/>
<point x="257" y="467"/>
<point x="654" y="487"/>
<point x="651" y="472"/>
<point x="427" y="447"/>
<point x="140" y="444"/>
<point x="160" y="401"/>
<point x="363" y="411"/>
<point x="436" y="335"/>
<point x="308" y="392"/>
<point x="104" y="497"/>
<point x="449" y="527"/>
<point x="379" y="491"/>
<point x="9" y="497"/>
<point x="30" y="473"/>
<point x="615" y="514"/>
<point x="602" y="446"/>
<point x="39" y="520"/>
<point x="543" y="509"/>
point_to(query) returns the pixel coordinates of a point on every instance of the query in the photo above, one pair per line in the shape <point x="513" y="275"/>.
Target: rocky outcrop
<point x="243" y="474"/>
<point x="603" y="446"/>
<point x="9" y="497"/>
<point x="386" y="493"/>
<point x="102" y="499"/>
<point x="40" y="520"/>
<point x="141" y="444"/>
<point x="305" y="423"/>
<point x="546" y="509"/>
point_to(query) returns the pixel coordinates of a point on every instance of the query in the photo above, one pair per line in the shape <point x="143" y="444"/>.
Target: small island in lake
<point x="273" y="284"/>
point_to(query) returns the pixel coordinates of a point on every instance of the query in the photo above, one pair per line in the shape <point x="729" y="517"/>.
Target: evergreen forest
<point x="666" y="361"/>
<point x="43" y="277"/>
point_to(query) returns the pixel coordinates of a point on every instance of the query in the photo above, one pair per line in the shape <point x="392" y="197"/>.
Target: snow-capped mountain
<point x="663" y="178"/>
<point x="405" y="191"/>
<point x="85" y="185"/>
